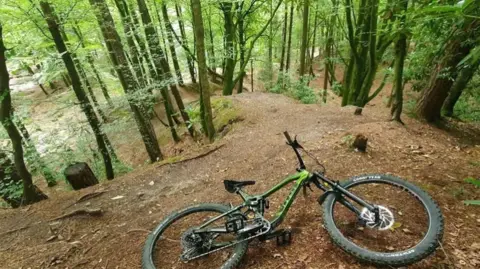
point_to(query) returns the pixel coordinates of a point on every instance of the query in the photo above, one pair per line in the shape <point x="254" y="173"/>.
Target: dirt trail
<point x="255" y="149"/>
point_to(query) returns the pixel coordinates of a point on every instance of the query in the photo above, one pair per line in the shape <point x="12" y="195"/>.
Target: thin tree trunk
<point x="284" y="38"/>
<point x="134" y="53"/>
<point x="400" y="54"/>
<point x="303" y="47"/>
<point x="229" y="48"/>
<point x="205" y="106"/>
<point x="171" y="44"/>
<point x="190" y="62"/>
<point x="91" y="62"/>
<point x="77" y="86"/>
<point x="289" y="45"/>
<point x="212" y="44"/>
<point x="40" y="166"/>
<point x="241" y="43"/>
<point x="117" y="55"/>
<point x="463" y="78"/>
<point x="31" y="193"/>
<point x="157" y="56"/>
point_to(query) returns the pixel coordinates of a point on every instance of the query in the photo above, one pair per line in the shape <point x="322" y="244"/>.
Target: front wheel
<point x="174" y="245"/>
<point x="411" y="224"/>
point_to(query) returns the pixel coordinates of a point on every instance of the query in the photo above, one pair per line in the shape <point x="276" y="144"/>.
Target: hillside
<point x="254" y="148"/>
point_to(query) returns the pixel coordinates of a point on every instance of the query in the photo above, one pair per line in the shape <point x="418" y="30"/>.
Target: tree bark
<point x="429" y="105"/>
<point x="241" y="43"/>
<point x="289" y="45"/>
<point x="284" y="38"/>
<point x="80" y="176"/>
<point x="171" y="44"/>
<point x="229" y="56"/>
<point x="158" y="57"/>
<point x="205" y="106"/>
<point x="463" y="78"/>
<point x="31" y="193"/>
<point x="119" y="60"/>
<point x="303" y="48"/>
<point x="85" y="104"/>
<point x="400" y="55"/>
<point x="212" y="43"/>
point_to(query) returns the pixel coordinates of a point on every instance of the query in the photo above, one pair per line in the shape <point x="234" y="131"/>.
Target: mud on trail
<point x="255" y="149"/>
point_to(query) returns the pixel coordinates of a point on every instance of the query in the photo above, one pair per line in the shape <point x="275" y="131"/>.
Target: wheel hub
<point x="385" y="221"/>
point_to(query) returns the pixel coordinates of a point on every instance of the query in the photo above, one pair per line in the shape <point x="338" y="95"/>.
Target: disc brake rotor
<point x="386" y="218"/>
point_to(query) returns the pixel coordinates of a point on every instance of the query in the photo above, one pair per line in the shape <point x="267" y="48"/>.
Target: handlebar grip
<point x="287" y="136"/>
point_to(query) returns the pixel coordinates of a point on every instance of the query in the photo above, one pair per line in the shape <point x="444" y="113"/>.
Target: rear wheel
<point x="173" y="244"/>
<point x="411" y="223"/>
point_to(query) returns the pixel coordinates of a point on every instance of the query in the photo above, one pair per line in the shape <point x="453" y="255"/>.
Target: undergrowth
<point x="297" y="89"/>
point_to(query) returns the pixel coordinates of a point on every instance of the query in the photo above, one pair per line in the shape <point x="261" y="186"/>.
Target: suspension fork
<point x="341" y="192"/>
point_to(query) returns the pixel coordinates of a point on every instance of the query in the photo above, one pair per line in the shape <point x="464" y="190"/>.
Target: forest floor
<point x="436" y="159"/>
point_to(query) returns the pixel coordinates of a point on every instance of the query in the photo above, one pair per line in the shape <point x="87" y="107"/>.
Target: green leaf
<point x="471" y="202"/>
<point x="396" y="225"/>
<point x="473" y="181"/>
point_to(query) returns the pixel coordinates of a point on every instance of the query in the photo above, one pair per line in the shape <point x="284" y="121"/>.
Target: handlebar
<point x="287" y="136"/>
<point x="295" y="146"/>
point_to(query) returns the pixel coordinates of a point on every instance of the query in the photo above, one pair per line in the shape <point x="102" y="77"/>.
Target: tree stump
<point x="80" y="176"/>
<point x="360" y="143"/>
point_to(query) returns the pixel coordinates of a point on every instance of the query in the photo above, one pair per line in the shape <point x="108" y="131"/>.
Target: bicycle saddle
<point x="232" y="186"/>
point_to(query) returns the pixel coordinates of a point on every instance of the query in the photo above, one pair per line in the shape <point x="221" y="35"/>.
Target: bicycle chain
<point x="248" y="238"/>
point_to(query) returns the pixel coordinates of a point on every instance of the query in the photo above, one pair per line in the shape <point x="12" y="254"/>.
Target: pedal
<point x="284" y="238"/>
<point x="235" y="224"/>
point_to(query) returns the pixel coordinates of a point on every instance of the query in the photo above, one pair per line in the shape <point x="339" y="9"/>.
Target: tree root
<point x="91" y="212"/>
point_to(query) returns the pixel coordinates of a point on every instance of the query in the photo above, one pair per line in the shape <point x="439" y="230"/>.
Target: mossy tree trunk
<point x="304" y="45"/>
<point x="205" y="108"/>
<point x="31" y="193"/>
<point x="463" y="78"/>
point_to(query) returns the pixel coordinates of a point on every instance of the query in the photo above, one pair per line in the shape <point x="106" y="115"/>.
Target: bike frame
<point x="302" y="178"/>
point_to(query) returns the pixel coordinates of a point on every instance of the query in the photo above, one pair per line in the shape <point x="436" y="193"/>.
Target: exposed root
<point x="91" y="212"/>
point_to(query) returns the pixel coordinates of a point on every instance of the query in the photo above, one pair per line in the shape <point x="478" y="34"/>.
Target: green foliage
<point x="297" y="89"/>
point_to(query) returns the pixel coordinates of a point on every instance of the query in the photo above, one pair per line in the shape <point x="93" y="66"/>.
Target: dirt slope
<point x="255" y="149"/>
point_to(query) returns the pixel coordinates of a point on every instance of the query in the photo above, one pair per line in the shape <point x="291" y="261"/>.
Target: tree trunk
<point x="39" y="166"/>
<point x="270" y="51"/>
<point x="190" y="62"/>
<point x="30" y="71"/>
<point x="205" y="106"/>
<point x="135" y="31"/>
<point x="229" y="48"/>
<point x="241" y="43"/>
<point x="284" y="38"/>
<point x="158" y="57"/>
<point x="429" y="105"/>
<point x="303" y="48"/>
<point x="212" y="43"/>
<point x="117" y="55"/>
<point x="290" y="33"/>
<point x="31" y="193"/>
<point x="134" y="53"/>
<point x="463" y="78"/>
<point x="400" y="54"/>
<point x="171" y="44"/>
<point x="85" y="104"/>
<point x="91" y="62"/>
<point x="80" y="176"/>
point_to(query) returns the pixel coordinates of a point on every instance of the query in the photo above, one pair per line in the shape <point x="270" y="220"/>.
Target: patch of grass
<point x="474" y="163"/>
<point x="296" y="89"/>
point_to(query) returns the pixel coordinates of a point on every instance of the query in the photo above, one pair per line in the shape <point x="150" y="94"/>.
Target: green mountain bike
<point x="379" y="219"/>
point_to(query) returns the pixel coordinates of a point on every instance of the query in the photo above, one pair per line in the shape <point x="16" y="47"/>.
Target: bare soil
<point x="254" y="148"/>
